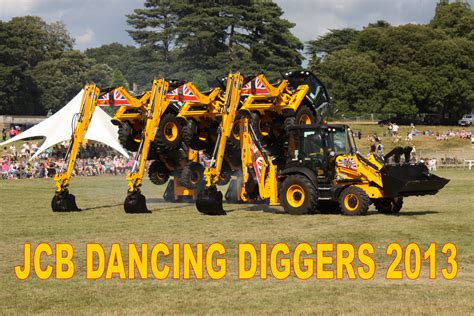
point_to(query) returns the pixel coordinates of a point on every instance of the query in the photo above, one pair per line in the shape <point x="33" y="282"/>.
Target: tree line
<point x="381" y="68"/>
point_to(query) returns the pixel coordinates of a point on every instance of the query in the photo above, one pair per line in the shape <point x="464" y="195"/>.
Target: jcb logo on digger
<point x="322" y="261"/>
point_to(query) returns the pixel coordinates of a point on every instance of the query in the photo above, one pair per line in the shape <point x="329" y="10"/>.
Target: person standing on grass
<point x="395" y="128"/>
<point x="380" y="148"/>
<point x="4" y="134"/>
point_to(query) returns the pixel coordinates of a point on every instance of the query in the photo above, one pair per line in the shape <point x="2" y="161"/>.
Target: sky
<point x="96" y="22"/>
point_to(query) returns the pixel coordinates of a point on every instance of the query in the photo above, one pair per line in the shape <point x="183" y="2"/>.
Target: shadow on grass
<point x="414" y="213"/>
<point x="102" y="206"/>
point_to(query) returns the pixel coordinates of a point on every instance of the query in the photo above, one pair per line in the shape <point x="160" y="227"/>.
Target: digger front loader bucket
<point x="410" y="180"/>
<point x="209" y="201"/>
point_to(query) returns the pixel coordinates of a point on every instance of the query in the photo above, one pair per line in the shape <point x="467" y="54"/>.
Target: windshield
<point x="341" y="141"/>
<point x="305" y="145"/>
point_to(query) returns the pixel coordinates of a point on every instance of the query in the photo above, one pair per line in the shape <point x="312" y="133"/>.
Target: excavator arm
<point x="210" y="199"/>
<point x="135" y="202"/>
<point x="63" y="201"/>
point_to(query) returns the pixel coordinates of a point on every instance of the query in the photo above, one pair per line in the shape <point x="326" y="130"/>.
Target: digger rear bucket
<point x="209" y="202"/>
<point x="135" y="202"/>
<point x="409" y="180"/>
<point x="64" y="202"/>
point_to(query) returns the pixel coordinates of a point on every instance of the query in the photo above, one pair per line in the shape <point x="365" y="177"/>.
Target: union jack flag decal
<point x="255" y="87"/>
<point x="182" y="94"/>
<point x="257" y="159"/>
<point x="347" y="163"/>
<point x="112" y="98"/>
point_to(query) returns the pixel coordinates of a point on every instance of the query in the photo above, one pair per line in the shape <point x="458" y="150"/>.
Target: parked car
<point x="466" y="120"/>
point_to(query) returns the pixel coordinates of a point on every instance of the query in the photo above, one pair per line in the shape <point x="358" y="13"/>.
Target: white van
<point x="466" y="120"/>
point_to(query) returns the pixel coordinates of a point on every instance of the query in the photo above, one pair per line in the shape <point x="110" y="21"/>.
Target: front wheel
<point x="158" y="173"/>
<point x="298" y="195"/>
<point x="354" y="201"/>
<point x="192" y="175"/>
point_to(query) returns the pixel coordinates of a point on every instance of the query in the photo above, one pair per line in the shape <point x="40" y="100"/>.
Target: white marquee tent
<point x="58" y="128"/>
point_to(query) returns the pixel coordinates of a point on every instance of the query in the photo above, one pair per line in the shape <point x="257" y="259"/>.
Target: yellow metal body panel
<point x="350" y="167"/>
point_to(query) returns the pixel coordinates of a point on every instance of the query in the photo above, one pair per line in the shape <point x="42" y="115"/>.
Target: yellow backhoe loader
<point x="323" y="167"/>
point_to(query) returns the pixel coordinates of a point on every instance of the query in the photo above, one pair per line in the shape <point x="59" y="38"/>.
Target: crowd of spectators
<point x="93" y="160"/>
<point x="450" y="133"/>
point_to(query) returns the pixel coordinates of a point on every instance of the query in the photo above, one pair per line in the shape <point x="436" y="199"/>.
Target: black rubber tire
<point x="305" y="113"/>
<point x="158" y="173"/>
<point x="256" y="122"/>
<point x="125" y="137"/>
<point x="389" y="205"/>
<point x="224" y="178"/>
<point x="192" y="175"/>
<point x="354" y="195"/>
<point x="163" y="134"/>
<point x="233" y="142"/>
<point x="309" y="200"/>
<point x="288" y="123"/>
<point x="190" y="136"/>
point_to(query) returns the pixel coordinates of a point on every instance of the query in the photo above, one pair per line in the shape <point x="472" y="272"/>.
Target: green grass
<point x="25" y="216"/>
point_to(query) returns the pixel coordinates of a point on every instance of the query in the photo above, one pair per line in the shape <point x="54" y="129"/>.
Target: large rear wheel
<point x="298" y="195"/>
<point x="191" y="136"/>
<point x="170" y="131"/>
<point x="354" y="201"/>
<point x="305" y="115"/>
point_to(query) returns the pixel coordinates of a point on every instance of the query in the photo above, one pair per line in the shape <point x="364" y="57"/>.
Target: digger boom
<point x="135" y="201"/>
<point x="63" y="201"/>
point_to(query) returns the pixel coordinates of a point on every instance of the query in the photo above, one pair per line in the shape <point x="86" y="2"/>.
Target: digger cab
<point x="317" y="94"/>
<point x="315" y="147"/>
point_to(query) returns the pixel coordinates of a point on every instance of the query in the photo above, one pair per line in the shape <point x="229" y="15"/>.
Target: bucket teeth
<point x="135" y="202"/>
<point x="64" y="202"/>
<point x="209" y="202"/>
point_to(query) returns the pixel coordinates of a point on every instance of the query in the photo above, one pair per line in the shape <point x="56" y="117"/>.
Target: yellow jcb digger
<point x="299" y="98"/>
<point x="324" y="167"/>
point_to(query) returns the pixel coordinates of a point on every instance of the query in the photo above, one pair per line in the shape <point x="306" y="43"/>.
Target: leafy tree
<point x="332" y="41"/>
<point x="215" y="37"/>
<point x="38" y="68"/>
<point x="60" y="79"/>
<point x="456" y="18"/>
<point x="118" y="79"/>
<point x="404" y="69"/>
<point x="353" y="80"/>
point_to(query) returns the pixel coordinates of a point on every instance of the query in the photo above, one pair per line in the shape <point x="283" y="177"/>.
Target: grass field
<point x="25" y="216"/>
